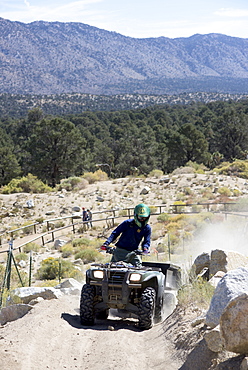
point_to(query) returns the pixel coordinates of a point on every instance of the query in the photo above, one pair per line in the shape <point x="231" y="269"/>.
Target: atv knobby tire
<point x="147" y="308"/>
<point x="87" y="314"/>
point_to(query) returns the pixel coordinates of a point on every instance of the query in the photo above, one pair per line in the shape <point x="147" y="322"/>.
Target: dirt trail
<point x="50" y="337"/>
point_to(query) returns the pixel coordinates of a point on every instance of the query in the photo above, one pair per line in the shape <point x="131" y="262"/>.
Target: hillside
<point x="50" y="336"/>
<point x="53" y="58"/>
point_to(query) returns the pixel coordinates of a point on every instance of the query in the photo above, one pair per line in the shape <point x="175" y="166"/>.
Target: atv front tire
<point x="87" y="315"/>
<point x="147" y="308"/>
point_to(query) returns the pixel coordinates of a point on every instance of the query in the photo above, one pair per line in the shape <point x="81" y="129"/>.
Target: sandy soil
<point x="50" y="337"/>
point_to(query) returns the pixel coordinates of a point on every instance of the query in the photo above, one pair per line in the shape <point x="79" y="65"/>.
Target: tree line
<point x="122" y="142"/>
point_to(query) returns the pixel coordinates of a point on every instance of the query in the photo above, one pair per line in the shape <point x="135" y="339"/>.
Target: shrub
<point x="31" y="247"/>
<point x="198" y="293"/>
<point x="236" y="192"/>
<point x="88" y="255"/>
<point x="21" y="257"/>
<point x="80" y="241"/>
<point x="93" y="177"/>
<point x="73" y="183"/>
<point x="156" y="173"/>
<point x="225" y="191"/>
<point x="50" y="269"/>
<point x="163" y="217"/>
<point x="27" y="184"/>
<point x="67" y="250"/>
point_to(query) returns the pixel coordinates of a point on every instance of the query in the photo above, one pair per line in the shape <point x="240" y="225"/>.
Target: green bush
<point x="93" y="177"/>
<point x="199" y="293"/>
<point x="225" y="191"/>
<point x="163" y="217"/>
<point x="21" y="257"/>
<point x="50" y="269"/>
<point x="236" y="168"/>
<point x="72" y="183"/>
<point x="80" y="242"/>
<point x="67" y="250"/>
<point x="89" y="255"/>
<point x="31" y="247"/>
<point x="156" y="173"/>
<point x="27" y="184"/>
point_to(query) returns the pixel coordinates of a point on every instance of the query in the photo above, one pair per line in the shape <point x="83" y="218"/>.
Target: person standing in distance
<point x="132" y="232"/>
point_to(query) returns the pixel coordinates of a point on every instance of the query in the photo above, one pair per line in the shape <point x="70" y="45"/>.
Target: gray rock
<point x="225" y="261"/>
<point x="233" y="284"/>
<point x="214" y="281"/>
<point x="203" y="260"/>
<point x="164" y="180"/>
<point x="76" y="209"/>
<point x="69" y="283"/>
<point x="26" y="294"/>
<point x="219" y="260"/>
<point x="145" y="190"/>
<point x="36" y="300"/>
<point x="59" y="243"/>
<point x="70" y="286"/>
<point x="214" y="340"/>
<point x="22" y="263"/>
<point x="13" y="312"/>
<point x="234" y="325"/>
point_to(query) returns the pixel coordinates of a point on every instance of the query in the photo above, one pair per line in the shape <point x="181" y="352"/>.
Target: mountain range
<point x="54" y="58"/>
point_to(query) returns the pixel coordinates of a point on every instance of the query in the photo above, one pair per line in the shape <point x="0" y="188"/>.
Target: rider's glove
<point x="104" y="247"/>
<point x="146" y="251"/>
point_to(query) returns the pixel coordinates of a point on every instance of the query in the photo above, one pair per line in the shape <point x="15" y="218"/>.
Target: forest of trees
<point x="122" y="142"/>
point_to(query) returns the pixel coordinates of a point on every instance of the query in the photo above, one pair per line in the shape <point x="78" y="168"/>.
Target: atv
<point x="146" y="291"/>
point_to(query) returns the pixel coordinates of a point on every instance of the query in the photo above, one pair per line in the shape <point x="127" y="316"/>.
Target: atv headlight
<point x="135" y="277"/>
<point x="98" y="274"/>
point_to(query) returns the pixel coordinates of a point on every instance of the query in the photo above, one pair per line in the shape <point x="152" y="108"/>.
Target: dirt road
<point x="50" y="337"/>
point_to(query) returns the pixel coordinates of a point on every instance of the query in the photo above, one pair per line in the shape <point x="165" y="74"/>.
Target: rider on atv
<point x="132" y="232"/>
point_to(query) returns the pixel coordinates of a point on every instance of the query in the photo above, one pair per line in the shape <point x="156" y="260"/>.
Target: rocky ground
<point x="50" y="335"/>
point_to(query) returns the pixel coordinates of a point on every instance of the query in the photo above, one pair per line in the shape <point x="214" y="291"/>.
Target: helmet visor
<point x="141" y="218"/>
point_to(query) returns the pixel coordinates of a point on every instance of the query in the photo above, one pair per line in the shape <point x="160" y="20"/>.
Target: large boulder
<point x="225" y="261"/>
<point x="202" y="261"/>
<point x="219" y="260"/>
<point x="26" y="294"/>
<point x="233" y="284"/>
<point x="13" y="312"/>
<point x="234" y="325"/>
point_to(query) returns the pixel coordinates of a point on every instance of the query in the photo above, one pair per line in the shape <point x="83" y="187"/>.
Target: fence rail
<point x="115" y="214"/>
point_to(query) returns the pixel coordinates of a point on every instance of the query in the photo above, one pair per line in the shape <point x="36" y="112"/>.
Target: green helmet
<point x="141" y="214"/>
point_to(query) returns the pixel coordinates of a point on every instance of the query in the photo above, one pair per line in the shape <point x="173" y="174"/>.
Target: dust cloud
<point x="228" y="235"/>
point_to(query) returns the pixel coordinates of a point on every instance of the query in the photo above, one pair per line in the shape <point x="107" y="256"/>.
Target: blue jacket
<point x="131" y="236"/>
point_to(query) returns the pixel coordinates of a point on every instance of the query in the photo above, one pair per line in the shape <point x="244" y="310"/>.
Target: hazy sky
<point x="138" y="18"/>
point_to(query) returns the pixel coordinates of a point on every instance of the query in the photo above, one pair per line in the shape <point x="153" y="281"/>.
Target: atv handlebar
<point x="112" y="249"/>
